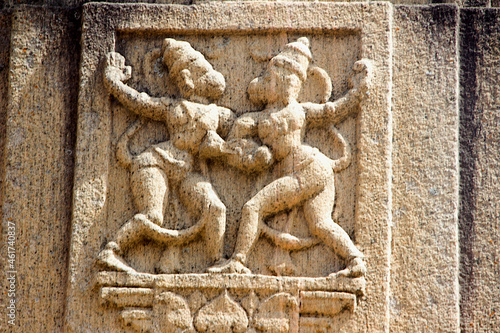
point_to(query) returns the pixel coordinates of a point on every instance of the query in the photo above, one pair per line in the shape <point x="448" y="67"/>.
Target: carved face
<point x="198" y="78"/>
<point x="276" y="84"/>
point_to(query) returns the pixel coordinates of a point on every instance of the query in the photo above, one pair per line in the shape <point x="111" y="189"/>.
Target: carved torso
<point x="282" y="130"/>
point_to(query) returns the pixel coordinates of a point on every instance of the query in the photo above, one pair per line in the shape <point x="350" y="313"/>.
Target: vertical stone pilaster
<point x="38" y="160"/>
<point x="479" y="165"/>
<point x="424" y="267"/>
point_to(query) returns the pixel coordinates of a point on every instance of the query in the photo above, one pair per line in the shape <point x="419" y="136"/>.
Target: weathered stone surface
<point x="38" y="162"/>
<point x="477" y="3"/>
<point x="352" y="43"/>
<point x="480" y="170"/>
<point x="76" y="3"/>
<point x="37" y="131"/>
<point x="5" y="18"/>
<point x="5" y="26"/>
<point x="425" y="169"/>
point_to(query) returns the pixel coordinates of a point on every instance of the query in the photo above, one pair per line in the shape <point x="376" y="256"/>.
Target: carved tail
<point x="344" y="161"/>
<point x="123" y="154"/>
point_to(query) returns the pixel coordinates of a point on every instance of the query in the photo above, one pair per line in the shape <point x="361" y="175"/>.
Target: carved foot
<point x="230" y="266"/>
<point x="355" y="268"/>
<point x="110" y="259"/>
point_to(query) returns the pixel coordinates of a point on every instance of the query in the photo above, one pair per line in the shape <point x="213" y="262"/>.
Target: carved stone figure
<point x="305" y="176"/>
<point x="238" y="179"/>
<point x="192" y="123"/>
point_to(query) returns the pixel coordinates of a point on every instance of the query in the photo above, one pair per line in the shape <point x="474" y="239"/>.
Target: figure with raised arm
<point x="192" y="124"/>
<point x="305" y="175"/>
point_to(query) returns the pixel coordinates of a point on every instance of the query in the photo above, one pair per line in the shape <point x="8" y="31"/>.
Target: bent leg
<point x="279" y="195"/>
<point x="200" y="197"/>
<point x="318" y="214"/>
<point x="128" y="234"/>
<point x="138" y="227"/>
<point x="150" y="191"/>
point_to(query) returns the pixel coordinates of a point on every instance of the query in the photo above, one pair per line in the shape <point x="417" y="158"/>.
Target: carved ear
<point x="186" y="84"/>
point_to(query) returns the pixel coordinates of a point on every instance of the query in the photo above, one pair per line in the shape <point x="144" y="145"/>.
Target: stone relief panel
<point x="232" y="183"/>
<point x="252" y="165"/>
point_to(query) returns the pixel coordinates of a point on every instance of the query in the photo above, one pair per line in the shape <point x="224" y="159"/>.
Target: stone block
<point x="424" y="255"/>
<point x="232" y="173"/>
<point x="5" y="18"/>
<point x="398" y="200"/>
<point x="38" y="162"/>
<point x="479" y="164"/>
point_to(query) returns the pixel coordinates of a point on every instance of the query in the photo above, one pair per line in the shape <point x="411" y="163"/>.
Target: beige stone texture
<point x="39" y="78"/>
<point x="425" y="171"/>
<point x="38" y="163"/>
<point x="5" y="18"/>
<point x="75" y="3"/>
<point x="225" y="34"/>
<point x="479" y="164"/>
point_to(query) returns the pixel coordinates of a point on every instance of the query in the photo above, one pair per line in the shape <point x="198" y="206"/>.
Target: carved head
<point x="192" y="73"/>
<point x="284" y="75"/>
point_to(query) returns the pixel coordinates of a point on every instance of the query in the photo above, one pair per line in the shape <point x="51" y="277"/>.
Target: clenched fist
<point x="115" y="70"/>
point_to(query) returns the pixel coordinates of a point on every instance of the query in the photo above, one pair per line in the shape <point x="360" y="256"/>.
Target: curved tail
<point x="123" y="154"/>
<point x="344" y="161"/>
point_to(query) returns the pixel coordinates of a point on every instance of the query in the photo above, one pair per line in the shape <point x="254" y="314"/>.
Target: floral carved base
<point x="229" y="302"/>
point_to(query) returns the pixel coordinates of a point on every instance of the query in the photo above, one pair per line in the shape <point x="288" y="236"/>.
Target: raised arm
<point x="337" y="111"/>
<point x="115" y="74"/>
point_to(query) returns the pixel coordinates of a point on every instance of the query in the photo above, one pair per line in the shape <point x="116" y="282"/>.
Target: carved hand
<point x="247" y="155"/>
<point x="213" y="146"/>
<point x="244" y="126"/>
<point x="115" y="70"/>
<point x="264" y="157"/>
<point x="360" y="82"/>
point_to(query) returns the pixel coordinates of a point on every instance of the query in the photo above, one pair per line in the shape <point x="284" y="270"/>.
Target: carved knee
<point x="217" y="209"/>
<point x="250" y="208"/>
<point x="216" y="224"/>
<point x="319" y="227"/>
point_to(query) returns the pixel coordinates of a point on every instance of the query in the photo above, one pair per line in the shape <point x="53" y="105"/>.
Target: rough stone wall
<point x="38" y="160"/>
<point x="480" y="170"/>
<point x="77" y="3"/>
<point x="425" y="169"/>
<point x="39" y="61"/>
<point x="5" y="18"/>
